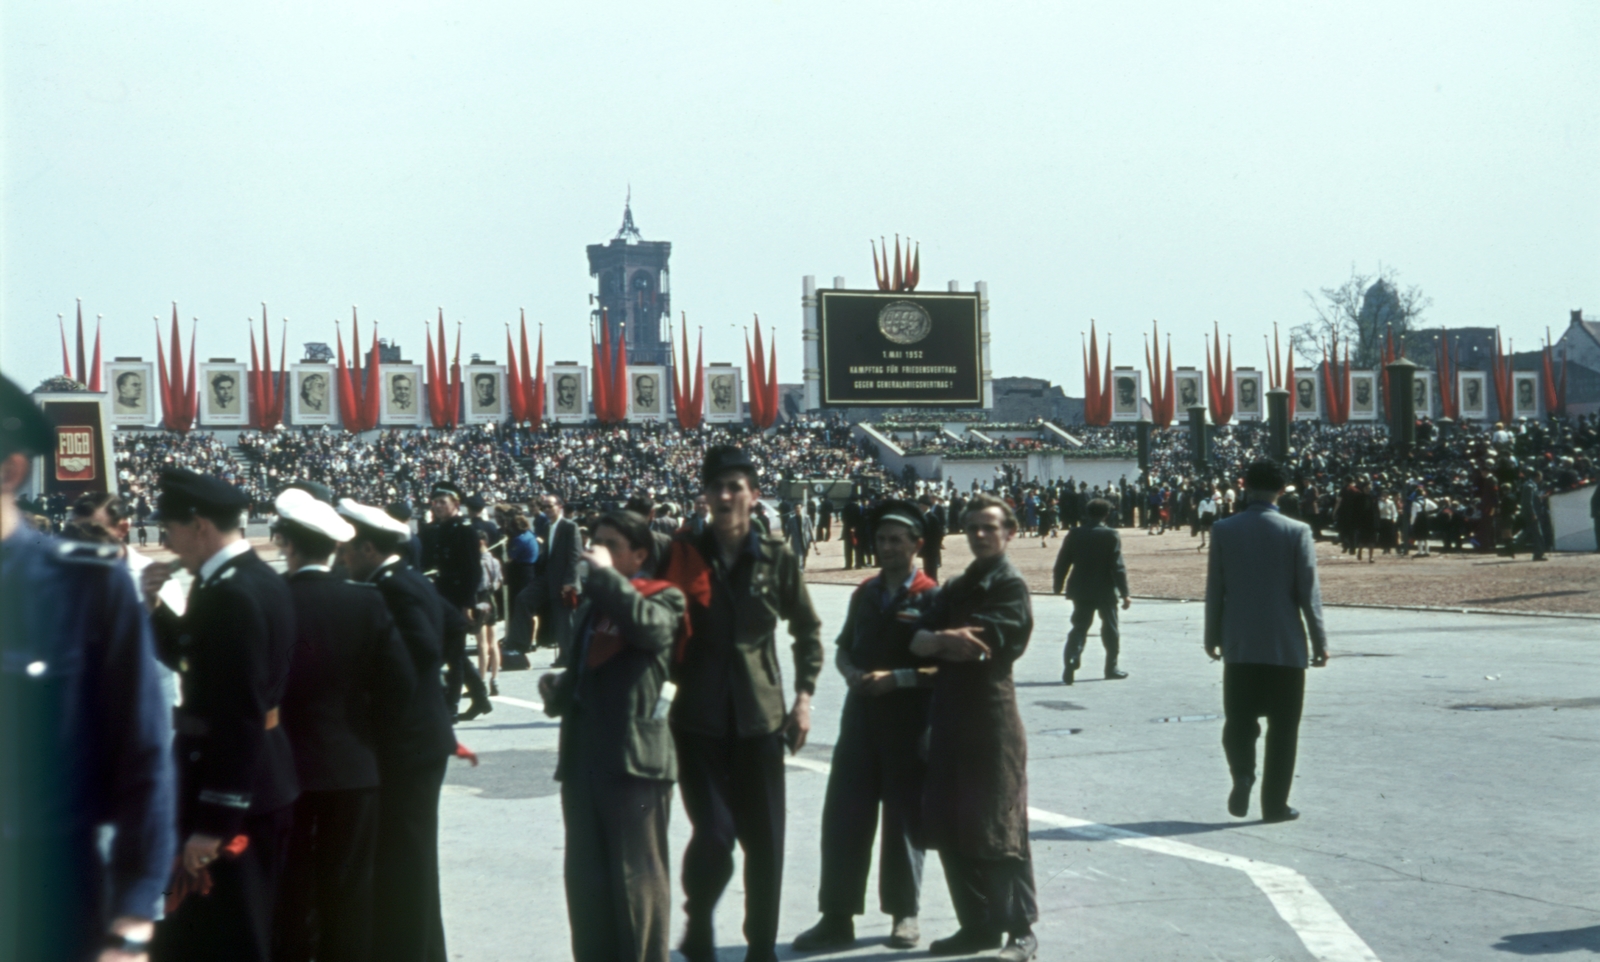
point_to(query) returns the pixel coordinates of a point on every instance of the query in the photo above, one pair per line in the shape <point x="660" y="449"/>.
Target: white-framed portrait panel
<point x="1363" y="395"/>
<point x="483" y="387"/>
<point x="1189" y="389"/>
<point x="1422" y="393"/>
<point x="1305" y="395"/>
<point x="647" y="390"/>
<point x="223" y="398"/>
<point x="1525" y="394"/>
<point x="403" y="390"/>
<point x="1127" y="388"/>
<point x="313" y="394"/>
<point x="1474" y="393"/>
<point x="566" y="389"/>
<point x="724" y="392"/>
<point x="1249" y="395"/>
<point x="132" y="389"/>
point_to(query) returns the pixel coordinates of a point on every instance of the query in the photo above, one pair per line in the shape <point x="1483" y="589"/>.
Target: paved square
<point x="1446" y="777"/>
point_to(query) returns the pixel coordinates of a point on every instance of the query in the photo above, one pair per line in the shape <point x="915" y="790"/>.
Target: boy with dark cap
<point x="85" y="741"/>
<point x="728" y="721"/>
<point x="878" y="758"/>
<point x="231" y="648"/>
<point x="450" y="557"/>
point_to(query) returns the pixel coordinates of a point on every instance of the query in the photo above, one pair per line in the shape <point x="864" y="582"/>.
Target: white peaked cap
<point x="375" y="518"/>
<point x="299" y="507"/>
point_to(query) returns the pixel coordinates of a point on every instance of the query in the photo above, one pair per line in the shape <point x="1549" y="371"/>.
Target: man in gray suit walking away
<point x="1262" y="602"/>
<point x="1093" y="556"/>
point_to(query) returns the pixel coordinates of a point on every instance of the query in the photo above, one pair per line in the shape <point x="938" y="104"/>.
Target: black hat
<point x="445" y="487"/>
<point x="399" y="510"/>
<point x="23" y="427"/>
<point x="316" y="489"/>
<point x="476" y="503"/>
<point x="186" y="493"/>
<point x="723" y="458"/>
<point x="898" y="512"/>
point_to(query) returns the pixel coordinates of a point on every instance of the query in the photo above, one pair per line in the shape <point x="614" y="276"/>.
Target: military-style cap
<point x="373" y="519"/>
<point x="898" y="512"/>
<point x="398" y="510"/>
<point x="445" y="487"/>
<point x="186" y="493"/>
<point x="298" y="506"/>
<point x="316" y="489"/>
<point x="723" y="458"/>
<point x="475" y="502"/>
<point x="23" y="427"/>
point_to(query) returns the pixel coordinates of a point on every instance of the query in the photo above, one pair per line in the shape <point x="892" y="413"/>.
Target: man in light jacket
<point x="1262" y="603"/>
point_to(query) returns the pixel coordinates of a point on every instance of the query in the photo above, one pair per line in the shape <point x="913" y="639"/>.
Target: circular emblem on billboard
<point x="904" y="322"/>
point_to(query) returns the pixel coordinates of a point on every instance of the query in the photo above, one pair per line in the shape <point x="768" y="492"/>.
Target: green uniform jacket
<point x="729" y="667"/>
<point x="608" y="711"/>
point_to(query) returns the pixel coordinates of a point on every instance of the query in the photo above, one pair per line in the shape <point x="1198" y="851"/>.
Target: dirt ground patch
<point x="1169" y="566"/>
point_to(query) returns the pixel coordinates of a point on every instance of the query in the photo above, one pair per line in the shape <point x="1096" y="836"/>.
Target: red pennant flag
<point x="1105" y="387"/>
<point x="1169" y="400"/>
<point x="191" y="406"/>
<point x="66" y="358"/>
<point x="432" y="386"/>
<point x="518" y="398"/>
<point x="280" y="390"/>
<point x="455" y="381"/>
<point x="697" y="402"/>
<point x="536" y="403"/>
<point x="439" y="391"/>
<point x="524" y="375"/>
<point x="602" y="369"/>
<point x="348" y="414"/>
<point x="899" y="276"/>
<point x="770" y="405"/>
<point x="1091" y="384"/>
<point x="83" y="365"/>
<point x="161" y="370"/>
<point x="374" y="394"/>
<point x="254" y="381"/>
<point x="753" y="374"/>
<point x="94" y="366"/>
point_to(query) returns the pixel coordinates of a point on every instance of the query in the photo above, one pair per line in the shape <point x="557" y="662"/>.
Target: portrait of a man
<point x="646" y="397"/>
<point x="1305" y="395"/>
<point x="1525" y="400"/>
<point x="314" y="393"/>
<point x="130" y="392"/>
<point x="485" y="393"/>
<point x="1472" y="394"/>
<point x="224" y="389"/>
<point x="567" y="401"/>
<point x="1249" y="395"/>
<point x="1419" y="394"/>
<point x="1127" y="395"/>
<point x="402" y="394"/>
<point x="1361" y="394"/>
<point x="723" y="400"/>
<point x="1188" y="392"/>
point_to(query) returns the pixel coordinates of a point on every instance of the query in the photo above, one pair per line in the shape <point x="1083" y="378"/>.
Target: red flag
<point x="680" y="376"/>
<point x="1169" y="399"/>
<point x="254" y="381"/>
<point x="916" y="270"/>
<point x="455" y="381"/>
<point x="94" y="366"/>
<point x="348" y="415"/>
<point x="83" y="365"/>
<point x="269" y="388"/>
<point x="1552" y="403"/>
<point x="191" y="406"/>
<point x="438" y="391"/>
<point x="1227" y="382"/>
<point x="280" y="390"/>
<point x="1105" y="387"/>
<point x="1152" y="364"/>
<point x="770" y="406"/>
<point x="374" y="394"/>
<point x="602" y="369"/>
<point x="161" y="370"/>
<point x="519" y="400"/>
<point x="899" y="276"/>
<point x="66" y="358"/>
<point x="536" y="402"/>
<point x="432" y="387"/>
<point x="1091" y="384"/>
<point x="525" y="376"/>
<point x="753" y="373"/>
<point x="697" y="402"/>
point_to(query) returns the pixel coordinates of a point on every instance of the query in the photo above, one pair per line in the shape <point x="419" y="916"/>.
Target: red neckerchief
<point x="686" y="570"/>
<point x="920" y="582"/>
<point x="605" y="640"/>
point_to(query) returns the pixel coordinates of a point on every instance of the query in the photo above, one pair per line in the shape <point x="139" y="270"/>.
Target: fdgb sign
<point x="899" y="348"/>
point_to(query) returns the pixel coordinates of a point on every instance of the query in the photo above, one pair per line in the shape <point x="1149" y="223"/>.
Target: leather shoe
<point x="698" y="943"/>
<point x="965" y="942"/>
<point x="1239" y="799"/>
<point x="1287" y="815"/>
<point x="1066" y="675"/>
<point x="905" y="934"/>
<point x="1020" y="948"/>
<point x="833" y="932"/>
<point x="1115" y="674"/>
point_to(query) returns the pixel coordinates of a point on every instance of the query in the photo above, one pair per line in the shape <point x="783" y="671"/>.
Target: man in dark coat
<point x="450" y="557"/>
<point x="852" y="520"/>
<point x="730" y="726"/>
<point x="932" y="553"/>
<point x="231" y="648"/>
<point x="348" y="678"/>
<point x="413" y="752"/>
<point x="617" y="764"/>
<point x="878" y="758"/>
<point x="84" y="737"/>
<point x="1090" y="566"/>
<point x="554" y="593"/>
<point x="975" y="799"/>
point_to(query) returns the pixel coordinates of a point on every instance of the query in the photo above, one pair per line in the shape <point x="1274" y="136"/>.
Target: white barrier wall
<point x="1569" y="515"/>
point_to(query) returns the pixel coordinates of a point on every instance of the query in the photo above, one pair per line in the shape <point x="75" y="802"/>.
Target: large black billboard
<point x="898" y="348"/>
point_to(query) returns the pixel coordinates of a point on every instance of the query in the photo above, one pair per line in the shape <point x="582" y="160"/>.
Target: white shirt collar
<point x="388" y="562"/>
<point x="312" y="568"/>
<point x="229" y="552"/>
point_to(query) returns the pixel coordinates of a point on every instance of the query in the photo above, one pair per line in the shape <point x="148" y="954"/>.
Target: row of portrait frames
<point x="133" y="389"/>
<point x="1127" y="389"/>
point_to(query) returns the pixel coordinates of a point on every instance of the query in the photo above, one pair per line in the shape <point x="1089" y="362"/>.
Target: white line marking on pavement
<point x="520" y="703"/>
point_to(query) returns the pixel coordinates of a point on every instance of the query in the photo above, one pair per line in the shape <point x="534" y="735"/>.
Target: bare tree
<point x="1361" y="310"/>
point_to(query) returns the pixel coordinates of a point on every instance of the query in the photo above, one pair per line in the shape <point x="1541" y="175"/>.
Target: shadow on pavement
<point x="1551" y="943"/>
<point x="1101" y="833"/>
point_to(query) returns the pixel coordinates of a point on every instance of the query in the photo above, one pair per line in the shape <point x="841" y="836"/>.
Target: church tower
<point x="632" y="277"/>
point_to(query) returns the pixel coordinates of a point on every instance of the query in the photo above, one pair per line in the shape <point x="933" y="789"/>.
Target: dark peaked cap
<point x="723" y="458"/>
<point x="898" y="512"/>
<point x="185" y="493"/>
<point x="23" y="427"/>
<point x="445" y="487"/>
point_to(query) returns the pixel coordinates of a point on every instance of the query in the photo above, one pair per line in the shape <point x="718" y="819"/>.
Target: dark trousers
<point x="1250" y="692"/>
<point x="235" y="920"/>
<point x="519" y="619"/>
<point x="459" y="671"/>
<point x="875" y="762"/>
<point x="1083" y="614"/>
<point x="618" y="870"/>
<point x="992" y="895"/>
<point x="733" y="790"/>
<point x="406" y="919"/>
<point x="851" y="555"/>
<point x="325" y="902"/>
<point x="51" y="889"/>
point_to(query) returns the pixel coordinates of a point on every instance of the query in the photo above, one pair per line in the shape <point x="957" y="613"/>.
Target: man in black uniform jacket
<point x="878" y="756"/>
<point x="852" y="523"/>
<point x="932" y="552"/>
<point x="236" y="770"/>
<point x="1093" y="555"/>
<point x="450" y="557"/>
<point x="413" y="752"/>
<point x="347" y="680"/>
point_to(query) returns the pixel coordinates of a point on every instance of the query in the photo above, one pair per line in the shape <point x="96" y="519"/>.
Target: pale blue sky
<point x="1187" y="162"/>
